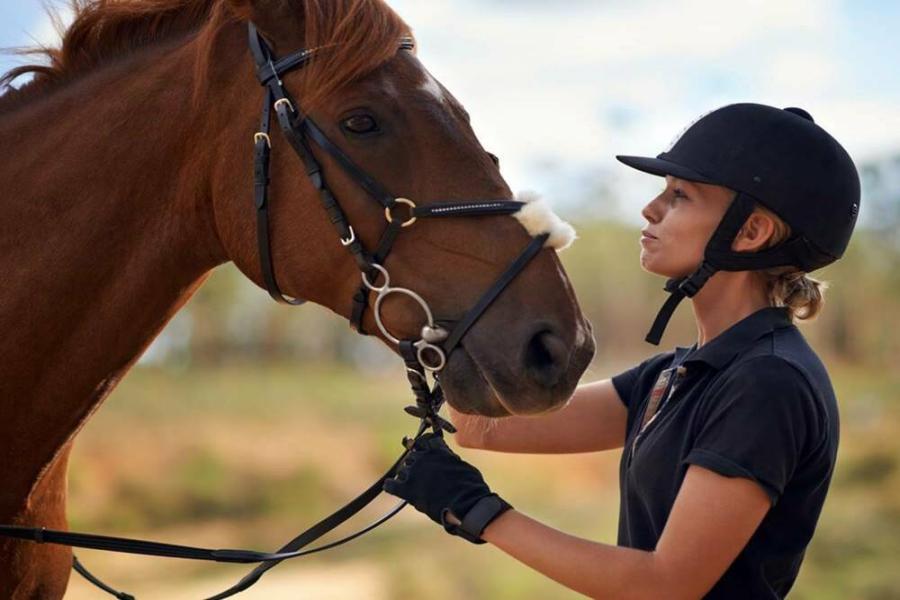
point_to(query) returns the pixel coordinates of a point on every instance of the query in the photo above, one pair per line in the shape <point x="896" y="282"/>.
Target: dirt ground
<point x="353" y="580"/>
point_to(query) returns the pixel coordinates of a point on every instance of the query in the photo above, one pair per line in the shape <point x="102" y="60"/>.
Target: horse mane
<point x="356" y="36"/>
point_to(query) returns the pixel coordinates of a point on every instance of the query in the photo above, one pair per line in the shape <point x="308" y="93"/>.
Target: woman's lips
<point x="647" y="237"/>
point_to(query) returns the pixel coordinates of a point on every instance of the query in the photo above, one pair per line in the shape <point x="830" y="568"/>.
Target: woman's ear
<point x="755" y="234"/>
<point x="279" y="21"/>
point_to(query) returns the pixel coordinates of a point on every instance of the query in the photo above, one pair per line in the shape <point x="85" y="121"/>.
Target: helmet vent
<point x="800" y="112"/>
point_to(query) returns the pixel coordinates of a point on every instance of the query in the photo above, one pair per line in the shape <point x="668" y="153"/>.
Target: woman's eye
<point x="360" y="124"/>
<point x="494" y="159"/>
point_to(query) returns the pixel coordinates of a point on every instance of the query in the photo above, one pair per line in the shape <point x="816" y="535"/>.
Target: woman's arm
<point x="593" y="420"/>
<point x="712" y="520"/>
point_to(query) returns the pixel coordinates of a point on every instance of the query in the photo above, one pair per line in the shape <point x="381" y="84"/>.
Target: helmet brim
<point x="661" y="167"/>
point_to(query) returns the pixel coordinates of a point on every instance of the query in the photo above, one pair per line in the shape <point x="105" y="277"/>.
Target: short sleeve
<point x="757" y="424"/>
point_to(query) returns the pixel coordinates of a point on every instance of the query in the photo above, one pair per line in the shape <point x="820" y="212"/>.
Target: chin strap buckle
<point x="679" y="289"/>
<point x="690" y="286"/>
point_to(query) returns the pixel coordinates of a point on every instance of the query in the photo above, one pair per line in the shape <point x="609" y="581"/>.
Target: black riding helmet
<point x="779" y="158"/>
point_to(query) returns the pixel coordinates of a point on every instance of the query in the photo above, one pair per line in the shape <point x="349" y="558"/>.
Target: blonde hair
<point x="804" y="296"/>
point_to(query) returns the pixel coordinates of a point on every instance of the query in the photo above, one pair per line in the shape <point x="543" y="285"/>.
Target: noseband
<point x="429" y="353"/>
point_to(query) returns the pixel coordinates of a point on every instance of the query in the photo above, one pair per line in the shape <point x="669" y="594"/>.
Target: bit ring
<point x="387" y="279"/>
<point x="387" y="291"/>
<point x="422" y="350"/>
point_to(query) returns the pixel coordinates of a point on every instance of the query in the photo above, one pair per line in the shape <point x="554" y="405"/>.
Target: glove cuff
<point x="478" y="518"/>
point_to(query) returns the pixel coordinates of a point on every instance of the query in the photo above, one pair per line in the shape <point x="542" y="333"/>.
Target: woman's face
<point x="681" y="219"/>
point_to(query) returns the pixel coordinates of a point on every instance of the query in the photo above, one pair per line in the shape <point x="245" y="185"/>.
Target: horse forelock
<point x="354" y="37"/>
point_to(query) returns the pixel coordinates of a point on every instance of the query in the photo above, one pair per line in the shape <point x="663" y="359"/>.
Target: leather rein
<point x="427" y="354"/>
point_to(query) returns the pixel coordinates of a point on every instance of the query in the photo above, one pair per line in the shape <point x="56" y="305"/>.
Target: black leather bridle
<point x="427" y="354"/>
<point x="436" y="343"/>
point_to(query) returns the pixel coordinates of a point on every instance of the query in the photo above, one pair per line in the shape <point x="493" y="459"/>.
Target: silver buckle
<point x="259" y="135"/>
<point x="284" y="101"/>
<point x="347" y="241"/>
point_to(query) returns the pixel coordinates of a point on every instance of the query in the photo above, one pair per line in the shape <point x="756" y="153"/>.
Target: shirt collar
<point x="722" y="349"/>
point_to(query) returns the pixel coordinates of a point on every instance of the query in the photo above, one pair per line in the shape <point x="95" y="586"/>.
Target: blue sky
<point x="558" y="90"/>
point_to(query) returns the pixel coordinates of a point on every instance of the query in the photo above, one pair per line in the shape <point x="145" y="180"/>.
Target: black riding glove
<point x="436" y="481"/>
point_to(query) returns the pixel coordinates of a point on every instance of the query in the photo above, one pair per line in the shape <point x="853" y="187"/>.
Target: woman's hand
<point x="437" y="482"/>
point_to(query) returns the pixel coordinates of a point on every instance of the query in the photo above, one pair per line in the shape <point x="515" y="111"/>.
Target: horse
<point x="127" y="178"/>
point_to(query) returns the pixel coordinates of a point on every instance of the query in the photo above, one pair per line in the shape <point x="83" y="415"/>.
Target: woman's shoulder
<point x="782" y="360"/>
<point x="786" y="385"/>
<point x="782" y="377"/>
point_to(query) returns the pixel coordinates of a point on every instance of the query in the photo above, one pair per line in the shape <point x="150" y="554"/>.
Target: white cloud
<point x="867" y="127"/>
<point x="803" y="72"/>
<point x="44" y="31"/>
<point x="588" y="33"/>
<point x="555" y="89"/>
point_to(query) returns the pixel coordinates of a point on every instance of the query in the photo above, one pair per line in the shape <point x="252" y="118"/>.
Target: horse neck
<point x="106" y="231"/>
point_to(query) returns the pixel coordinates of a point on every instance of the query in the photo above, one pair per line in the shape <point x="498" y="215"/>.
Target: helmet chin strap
<point x="718" y="256"/>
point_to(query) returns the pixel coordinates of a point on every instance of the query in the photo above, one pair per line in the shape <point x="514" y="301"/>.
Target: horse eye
<point x="494" y="159"/>
<point x="360" y="124"/>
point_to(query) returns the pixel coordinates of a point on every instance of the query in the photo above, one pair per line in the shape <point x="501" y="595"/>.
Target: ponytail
<point x="790" y="287"/>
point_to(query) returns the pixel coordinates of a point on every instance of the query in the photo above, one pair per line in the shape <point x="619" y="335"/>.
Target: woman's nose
<point x="655" y="209"/>
<point x="651" y="211"/>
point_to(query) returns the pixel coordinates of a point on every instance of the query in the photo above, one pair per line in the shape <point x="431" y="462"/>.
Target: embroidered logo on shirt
<point x="662" y="390"/>
<point x="659" y="388"/>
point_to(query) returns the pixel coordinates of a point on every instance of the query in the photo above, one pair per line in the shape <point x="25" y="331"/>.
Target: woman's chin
<point x="649" y="265"/>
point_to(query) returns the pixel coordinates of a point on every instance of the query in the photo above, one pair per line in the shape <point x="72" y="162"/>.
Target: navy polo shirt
<point x="754" y="402"/>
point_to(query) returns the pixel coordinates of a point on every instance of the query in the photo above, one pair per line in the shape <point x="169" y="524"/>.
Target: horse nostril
<point x="546" y="358"/>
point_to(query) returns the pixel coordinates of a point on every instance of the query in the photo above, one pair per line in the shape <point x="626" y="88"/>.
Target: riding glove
<point x="436" y="481"/>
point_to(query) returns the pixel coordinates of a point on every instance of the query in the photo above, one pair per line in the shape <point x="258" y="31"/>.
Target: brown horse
<point x="127" y="177"/>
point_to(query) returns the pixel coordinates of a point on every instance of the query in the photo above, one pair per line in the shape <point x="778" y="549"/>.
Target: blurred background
<point x="247" y="421"/>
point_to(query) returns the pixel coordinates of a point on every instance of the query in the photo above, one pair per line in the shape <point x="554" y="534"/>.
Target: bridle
<point x="435" y="343"/>
<point x="428" y="353"/>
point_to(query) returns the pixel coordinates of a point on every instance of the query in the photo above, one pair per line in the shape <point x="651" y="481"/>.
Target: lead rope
<point x="428" y="402"/>
<point x="79" y="568"/>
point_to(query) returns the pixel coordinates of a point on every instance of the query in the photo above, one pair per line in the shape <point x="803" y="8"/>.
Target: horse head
<point x="365" y="92"/>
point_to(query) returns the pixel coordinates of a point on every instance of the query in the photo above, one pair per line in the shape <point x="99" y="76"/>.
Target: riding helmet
<point x="778" y="158"/>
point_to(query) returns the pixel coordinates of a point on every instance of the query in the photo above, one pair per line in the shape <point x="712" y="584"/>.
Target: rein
<point x="427" y="354"/>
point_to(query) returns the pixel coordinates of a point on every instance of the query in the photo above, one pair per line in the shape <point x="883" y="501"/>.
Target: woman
<point x="729" y="445"/>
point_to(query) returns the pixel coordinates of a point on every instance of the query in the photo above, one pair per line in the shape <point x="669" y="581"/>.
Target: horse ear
<point x="280" y="21"/>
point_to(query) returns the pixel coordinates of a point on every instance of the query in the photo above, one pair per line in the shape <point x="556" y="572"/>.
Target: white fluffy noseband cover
<point x="538" y="218"/>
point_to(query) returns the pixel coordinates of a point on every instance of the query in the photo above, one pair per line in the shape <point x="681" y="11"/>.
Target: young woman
<point x="729" y="445"/>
